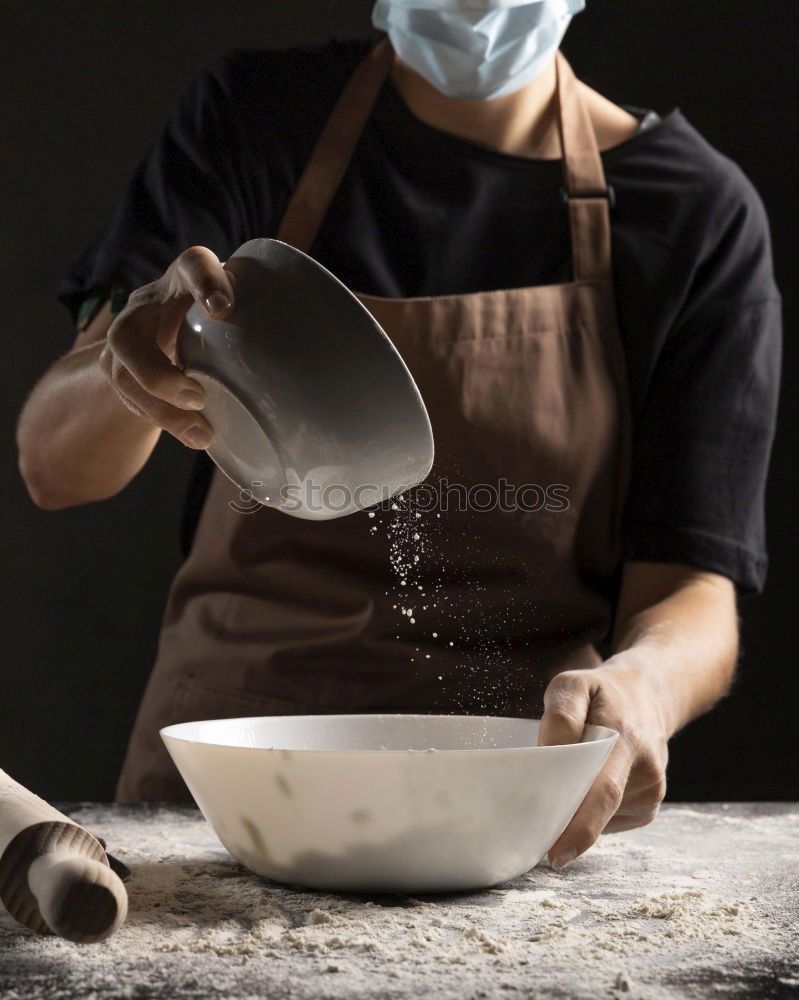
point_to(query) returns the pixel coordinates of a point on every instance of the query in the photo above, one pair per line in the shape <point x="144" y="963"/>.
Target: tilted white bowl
<point x="362" y="802"/>
<point x="313" y="409"/>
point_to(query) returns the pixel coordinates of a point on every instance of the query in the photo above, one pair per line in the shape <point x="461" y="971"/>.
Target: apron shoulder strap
<point x="584" y="184"/>
<point x="309" y="202"/>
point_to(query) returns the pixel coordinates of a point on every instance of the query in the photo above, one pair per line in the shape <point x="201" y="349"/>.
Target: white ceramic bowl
<point x="313" y="409"/>
<point x="362" y="802"/>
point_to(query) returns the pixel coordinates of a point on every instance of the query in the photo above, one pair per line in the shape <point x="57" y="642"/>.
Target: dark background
<point x="85" y="86"/>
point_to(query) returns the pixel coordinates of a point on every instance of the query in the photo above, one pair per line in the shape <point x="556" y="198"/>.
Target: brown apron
<point x="270" y="614"/>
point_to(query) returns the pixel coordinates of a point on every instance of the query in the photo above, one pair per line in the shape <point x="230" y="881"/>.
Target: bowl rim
<point x="608" y="736"/>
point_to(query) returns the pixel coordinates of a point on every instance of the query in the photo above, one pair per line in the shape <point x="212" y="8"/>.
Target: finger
<point x="642" y="795"/>
<point x="131" y="339"/>
<point x="196" y="274"/>
<point x="631" y="820"/>
<point x="600" y="803"/>
<point x="640" y="804"/>
<point x="190" y="428"/>
<point x="130" y="405"/>
<point x="566" y="702"/>
<point x="200" y="272"/>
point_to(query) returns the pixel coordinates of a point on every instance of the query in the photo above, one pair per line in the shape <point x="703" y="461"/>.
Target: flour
<point x="421" y="598"/>
<point x="411" y="554"/>
<point x="633" y="918"/>
<point x="458" y="628"/>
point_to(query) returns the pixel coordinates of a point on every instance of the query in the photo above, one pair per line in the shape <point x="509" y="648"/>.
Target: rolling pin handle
<point x="80" y="899"/>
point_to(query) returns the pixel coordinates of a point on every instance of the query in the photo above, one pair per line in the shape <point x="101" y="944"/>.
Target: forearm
<point x="685" y="643"/>
<point x="77" y="441"/>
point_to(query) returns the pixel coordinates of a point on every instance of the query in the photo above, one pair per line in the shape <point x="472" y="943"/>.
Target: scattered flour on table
<point x="194" y="912"/>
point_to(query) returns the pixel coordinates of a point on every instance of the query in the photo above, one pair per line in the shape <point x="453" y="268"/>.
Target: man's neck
<point x="522" y="123"/>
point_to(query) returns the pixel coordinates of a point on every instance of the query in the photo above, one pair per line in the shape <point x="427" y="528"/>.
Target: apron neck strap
<point x="309" y="202"/>
<point x="584" y="187"/>
<point x="583" y="175"/>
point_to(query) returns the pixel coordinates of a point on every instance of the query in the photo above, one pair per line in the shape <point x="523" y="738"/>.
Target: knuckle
<point x="558" y="714"/>
<point x="118" y="333"/>
<point x="649" y="816"/>
<point x="634" y="739"/>
<point x="561" y="690"/>
<point x="195" y="255"/>
<point x="613" y="791"/>
<point x="179" y="428"/>
<point x="659" y="790"/>
<point x="144" y="294"/>
<point x="194" y="271"/>
<point x="119" y="375"/>
<point x="106" y="360"/>
<point x="568" y="679"/>
<point x="156" y="385"/>
<point x="112" y="337"/>
<point x="648" y="767"/>
<point x="651" y="772"/>
<point x="587" y="837"/>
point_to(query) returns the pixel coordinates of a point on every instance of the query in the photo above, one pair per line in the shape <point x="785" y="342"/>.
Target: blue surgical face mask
<point x="473" y="49"/>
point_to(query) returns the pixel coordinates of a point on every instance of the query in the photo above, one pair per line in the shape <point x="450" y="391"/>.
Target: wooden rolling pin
<point x="54" y="875"/>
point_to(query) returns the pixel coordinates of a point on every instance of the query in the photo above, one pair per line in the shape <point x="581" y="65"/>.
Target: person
<point x="584" y="295"/>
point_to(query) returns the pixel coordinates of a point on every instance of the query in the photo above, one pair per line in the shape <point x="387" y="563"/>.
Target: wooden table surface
<point x="704" y="902"/>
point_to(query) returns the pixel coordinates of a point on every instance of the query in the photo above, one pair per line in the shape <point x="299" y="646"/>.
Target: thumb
<point x="566" y="702"/>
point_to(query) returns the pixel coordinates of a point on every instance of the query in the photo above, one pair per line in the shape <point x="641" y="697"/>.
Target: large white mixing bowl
<point x="385" y="803"/>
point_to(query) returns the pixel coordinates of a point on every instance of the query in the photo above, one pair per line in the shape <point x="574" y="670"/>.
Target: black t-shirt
<point x="423" y="212"/>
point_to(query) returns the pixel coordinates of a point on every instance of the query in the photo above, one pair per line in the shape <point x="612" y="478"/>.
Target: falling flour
<point x="416" y="595"/>
<point x="444" y="602"/>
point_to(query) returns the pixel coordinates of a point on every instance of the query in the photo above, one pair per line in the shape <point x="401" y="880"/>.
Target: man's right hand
<point x="139" y="356"/>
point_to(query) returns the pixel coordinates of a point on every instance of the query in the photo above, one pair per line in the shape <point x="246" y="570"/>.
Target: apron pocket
<point x="194" y="699"/>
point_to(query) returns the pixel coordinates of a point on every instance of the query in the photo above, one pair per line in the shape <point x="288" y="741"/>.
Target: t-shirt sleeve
<point x="703" y="438"/>
<point x="189" y="188"/>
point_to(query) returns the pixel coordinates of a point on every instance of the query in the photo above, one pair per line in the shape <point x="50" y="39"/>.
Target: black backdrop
<point x="84" y="87"/>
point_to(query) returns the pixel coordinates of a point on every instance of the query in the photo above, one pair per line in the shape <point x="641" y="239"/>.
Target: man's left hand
<point x="632" y="783"/>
